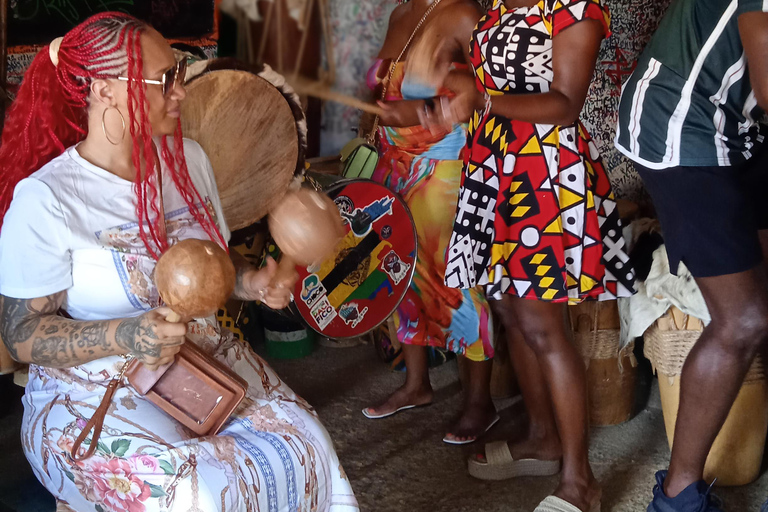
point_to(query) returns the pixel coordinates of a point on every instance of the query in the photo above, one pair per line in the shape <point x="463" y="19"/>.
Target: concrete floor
<point x="400" y="463"/>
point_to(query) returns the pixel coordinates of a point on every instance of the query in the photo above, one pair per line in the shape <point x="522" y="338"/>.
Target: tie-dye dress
<point x="426" y="170"/>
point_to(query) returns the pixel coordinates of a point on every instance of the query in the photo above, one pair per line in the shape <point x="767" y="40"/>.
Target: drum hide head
<point x="247" y="129"/>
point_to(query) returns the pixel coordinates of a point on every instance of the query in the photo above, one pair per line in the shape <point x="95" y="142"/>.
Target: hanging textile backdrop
<point x="34" y="23"/>
<point x="359" y="28"/>
<point x="633" y="22"/>
<point x="251" y="9"/>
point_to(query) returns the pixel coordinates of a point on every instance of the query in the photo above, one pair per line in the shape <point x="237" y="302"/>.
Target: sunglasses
<point x="170" y="78"/>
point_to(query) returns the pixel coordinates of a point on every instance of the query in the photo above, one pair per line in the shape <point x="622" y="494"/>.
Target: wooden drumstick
<point x="194" y="278"/>
<point x="320" y="90"/>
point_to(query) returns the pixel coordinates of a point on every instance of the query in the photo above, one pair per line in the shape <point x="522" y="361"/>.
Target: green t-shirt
<point x="689" y="101"/>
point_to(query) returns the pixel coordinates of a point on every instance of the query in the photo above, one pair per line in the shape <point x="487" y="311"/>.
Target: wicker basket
<point x="737" y="452"/>
<point x="611" y="376"/>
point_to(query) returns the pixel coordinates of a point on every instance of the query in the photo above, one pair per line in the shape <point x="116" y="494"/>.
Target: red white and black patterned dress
<point x="536" y="216"/>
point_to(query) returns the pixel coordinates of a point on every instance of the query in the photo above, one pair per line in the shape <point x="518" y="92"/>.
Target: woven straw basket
<point x="611" y="376"/>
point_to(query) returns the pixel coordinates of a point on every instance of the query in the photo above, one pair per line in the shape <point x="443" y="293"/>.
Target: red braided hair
<point x="50" y="114"/>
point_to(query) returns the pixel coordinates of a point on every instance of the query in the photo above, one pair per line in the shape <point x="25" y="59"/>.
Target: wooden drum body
<point x="611" y="375"/>
<point x="737" y="453"/>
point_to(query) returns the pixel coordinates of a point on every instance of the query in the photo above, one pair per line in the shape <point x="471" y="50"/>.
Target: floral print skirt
<point x="272" y="456"/>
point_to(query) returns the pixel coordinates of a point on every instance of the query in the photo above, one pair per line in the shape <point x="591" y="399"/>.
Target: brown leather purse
<point x="196" y="390"/>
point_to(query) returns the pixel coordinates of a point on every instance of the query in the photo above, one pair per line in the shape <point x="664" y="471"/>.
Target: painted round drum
<point x="357" y="289"/>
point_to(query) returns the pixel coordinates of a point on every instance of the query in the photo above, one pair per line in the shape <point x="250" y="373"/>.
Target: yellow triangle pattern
<point x="587" y="283"/>
<point x="501" y="252"/>
<point x="555" y="227"/>
<point x="547" y="24"/>
<point x="568" y="198"/>
<point x="552" y="138"/>
<point x="532" y="147"/>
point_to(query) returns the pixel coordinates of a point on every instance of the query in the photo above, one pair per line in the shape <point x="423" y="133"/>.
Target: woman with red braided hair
<point x="90" y="143"/>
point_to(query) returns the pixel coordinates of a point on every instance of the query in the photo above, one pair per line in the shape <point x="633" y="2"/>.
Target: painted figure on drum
<point x="425" y="168"/>
<point x="90" y="146"/>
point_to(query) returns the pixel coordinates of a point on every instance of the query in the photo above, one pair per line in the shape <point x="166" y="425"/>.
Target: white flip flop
<point x="387" y="415"/>
<point x="471" y="440"/>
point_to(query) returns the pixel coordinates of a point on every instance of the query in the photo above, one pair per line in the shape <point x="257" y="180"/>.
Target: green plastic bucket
<point x="289" y="344"/>
<point x="284" y="338"/>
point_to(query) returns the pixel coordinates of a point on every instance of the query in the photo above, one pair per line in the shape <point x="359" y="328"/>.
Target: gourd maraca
<point x="307" y="227"/>
<point x="194" y="278"/>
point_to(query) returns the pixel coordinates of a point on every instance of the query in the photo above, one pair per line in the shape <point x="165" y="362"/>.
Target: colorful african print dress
<point x="536" y="216"/>
<point x="426" y="170"/>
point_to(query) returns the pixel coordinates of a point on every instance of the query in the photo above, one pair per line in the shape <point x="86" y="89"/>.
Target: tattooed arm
<point x="34" y="333"/>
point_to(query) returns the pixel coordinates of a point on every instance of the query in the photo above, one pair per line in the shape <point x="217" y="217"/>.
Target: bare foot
<point x="472" y="423"/>
<point x="533" y="447"/>
<point x="402" y="398"/>
<point x="583" y="495"/>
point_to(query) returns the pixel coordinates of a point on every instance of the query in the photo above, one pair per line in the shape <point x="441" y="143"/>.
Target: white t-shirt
<point x="72" y="226"/>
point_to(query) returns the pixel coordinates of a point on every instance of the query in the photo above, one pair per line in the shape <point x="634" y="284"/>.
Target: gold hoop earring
<point x="104" y="126"/>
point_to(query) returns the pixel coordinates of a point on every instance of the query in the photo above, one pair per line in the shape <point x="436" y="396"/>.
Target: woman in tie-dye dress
<point x="425" y="169"/>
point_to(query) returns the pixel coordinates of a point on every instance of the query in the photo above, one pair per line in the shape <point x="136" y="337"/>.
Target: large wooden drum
<point x="611" y="373"/>
<point x="737" y="453"/>
<point x="253" y="130"/>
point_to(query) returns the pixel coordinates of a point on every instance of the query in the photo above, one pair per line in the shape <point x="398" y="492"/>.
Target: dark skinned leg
<point x="541" y="440"/>
<point x="715" y="368"/>
<point x="544" y="330"/>
<point x="479" y="410"/>
<point x="417" y="390"/>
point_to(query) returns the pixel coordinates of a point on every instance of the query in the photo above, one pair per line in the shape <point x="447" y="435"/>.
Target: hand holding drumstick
<point x="429" y="64"/>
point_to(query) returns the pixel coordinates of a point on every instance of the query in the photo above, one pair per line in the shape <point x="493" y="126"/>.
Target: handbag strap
<point x="393" y="66"/>
<point x="96" y="423"/>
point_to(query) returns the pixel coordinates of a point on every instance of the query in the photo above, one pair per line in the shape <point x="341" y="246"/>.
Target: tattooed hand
<point x="150" y="338"/>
